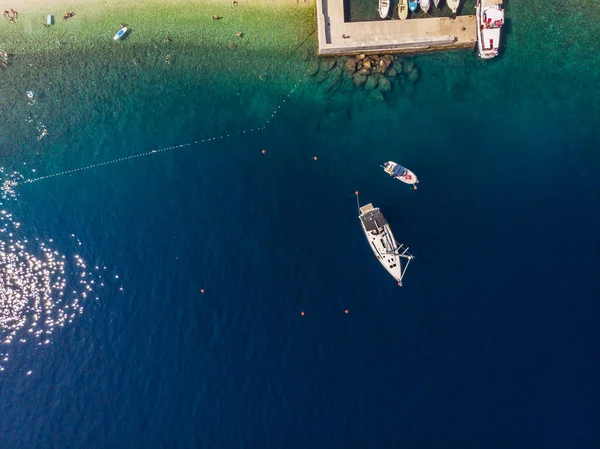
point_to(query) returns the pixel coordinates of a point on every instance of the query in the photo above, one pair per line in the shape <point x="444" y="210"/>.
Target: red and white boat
<point x="400" y="173"/>
<point x="490" y="18"/>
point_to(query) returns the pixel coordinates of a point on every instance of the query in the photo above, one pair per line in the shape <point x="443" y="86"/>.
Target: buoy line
<point x="174" y="147"/>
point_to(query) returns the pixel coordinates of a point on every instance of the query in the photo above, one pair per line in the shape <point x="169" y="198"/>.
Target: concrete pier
<point x="390" y="36"/>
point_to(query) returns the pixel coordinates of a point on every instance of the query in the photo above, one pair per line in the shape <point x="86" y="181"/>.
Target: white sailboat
<point x="490" y="18"/>
<point x="453" y="5"/>
<point x="425" y="4"/>
<point x="393" y="257"/>
<point x="384" y="8"/>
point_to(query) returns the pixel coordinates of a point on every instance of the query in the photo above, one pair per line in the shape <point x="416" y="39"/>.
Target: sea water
<point x="242" y="306"/>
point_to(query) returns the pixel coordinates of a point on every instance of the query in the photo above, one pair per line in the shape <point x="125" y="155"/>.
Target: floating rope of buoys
<point x="174" y="147"/>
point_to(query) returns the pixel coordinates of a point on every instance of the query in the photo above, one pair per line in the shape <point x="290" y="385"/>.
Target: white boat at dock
<point x="400" y="173"/>
<point x="403" y="9"/>
<point x="453" y="5"/>
<point x="425" y="4"/>
<point x="120" y="34"/>
<point x="394" y="258"/>
<point x="490" y="18"/>
<point x="436" y="3"/>
<point x="384" y="8"/>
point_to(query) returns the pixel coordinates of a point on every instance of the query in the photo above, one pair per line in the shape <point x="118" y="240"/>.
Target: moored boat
<point x="403" y="9"/>
<point x="400" y="173"/>
<point x="453" y="5"/>
<point x="413" y="5"/>
<point x="384" y="8"/>
<point x="490" y="18"/>
<point x="120" y="34"/>
<point x="425" y="4"/>
<point x="393" y="257"/>
<point x="436" y="3"/>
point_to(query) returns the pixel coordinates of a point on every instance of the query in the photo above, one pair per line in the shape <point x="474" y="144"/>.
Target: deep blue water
<point x="491" y="342"/>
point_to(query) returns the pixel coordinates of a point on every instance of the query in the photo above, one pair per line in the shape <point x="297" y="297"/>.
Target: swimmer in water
<point x="44" y="134"/>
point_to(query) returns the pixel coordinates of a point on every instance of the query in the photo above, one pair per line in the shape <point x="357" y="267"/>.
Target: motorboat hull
<point x="413" y="5"/>
<point x="384" y="8"/>
<point x="490" y="19"/>
<point x="453" y="5"/>
<point x="402" y="174"/>
<point x="425" y="5"/>
<point x="403" y="9"/>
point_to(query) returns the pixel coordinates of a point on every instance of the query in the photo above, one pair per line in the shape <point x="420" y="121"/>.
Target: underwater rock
<point x="305" y="54"/>
<point x="414" y="75"/>
<point x="321" y="76"/>
<point x="392" y="72"/>
<point x="334" y="78"/>
<point x="384" y="84"/>
<point x="331" y="84"/>
<point x="398" y="66"/>
<point x="351" y="65"/>
<point x="313" y="68"/>
<point x="361" y="56"/>
<point x="364" y="71"/>
<point x="377" y="95"/>
<point x="366" y="64"/>
<point x="372" y="82"/>
<point x="359" y="79"/>
<point x="408" y="67"/>
<point x="327" y="64"/>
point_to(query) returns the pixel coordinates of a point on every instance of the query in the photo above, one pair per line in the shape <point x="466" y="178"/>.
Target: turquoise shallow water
<point x="490" y="341"/>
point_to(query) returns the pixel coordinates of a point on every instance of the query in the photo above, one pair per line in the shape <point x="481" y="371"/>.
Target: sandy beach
<point x="267" y="24"/>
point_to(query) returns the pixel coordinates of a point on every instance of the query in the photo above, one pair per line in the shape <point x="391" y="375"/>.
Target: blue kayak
<point x="413" y="5"/>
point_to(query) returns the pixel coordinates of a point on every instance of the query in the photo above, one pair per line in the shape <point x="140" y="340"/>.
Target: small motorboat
<point x="400" y="173"/>
<point x="120" y="34"/>
<point x="384" y="8"/>
<point x="453" y="5"/>
<point x="436" y="3"/>
<point x="413" y="5"/>
<point x="425" y="4"/>
<point x="403" y="9"/>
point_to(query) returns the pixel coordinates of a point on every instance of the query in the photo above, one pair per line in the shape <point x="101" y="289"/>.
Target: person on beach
<point x="239" y="34"/>
<point x="14" y="13"/>
<point x="215" y="17"/>
<point x="234" y="2"/>
<point x="168" y="60"/>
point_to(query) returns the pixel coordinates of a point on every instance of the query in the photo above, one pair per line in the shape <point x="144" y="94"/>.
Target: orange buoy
<point x="346" y="311"/>
<point x="201" y="290"/>
<point x="356" y="192"/>
<point x="414" y="187"/>
<point x="264" y="151"/>
<point x="315" y="158"/>
<point x="302" y="313"/>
